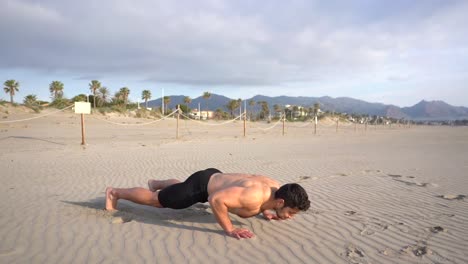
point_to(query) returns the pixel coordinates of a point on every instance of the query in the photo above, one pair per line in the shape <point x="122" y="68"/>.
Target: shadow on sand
<point x="182" y="219"/>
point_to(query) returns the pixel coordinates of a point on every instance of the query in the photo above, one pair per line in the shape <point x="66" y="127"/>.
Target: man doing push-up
<point x="245" y="195"/>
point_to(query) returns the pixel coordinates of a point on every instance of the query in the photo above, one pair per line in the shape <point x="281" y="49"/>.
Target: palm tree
<point x="124" y="92"/>
<point x="218" y="113"/>
<point x="56" y="89"/>
<point x="265" y="109"/>
<point x="277" y="108"/>
<point x="146" y="95"/>
<point x="11" y="86"/>
<point x="251" y="104"/>
<point x="103" y="95"/>
<point x="232" y="105"/>
<point x="30" y="100"/>
<point x="167" y="101"/>
<point x="206" y="96"/>
<point x="117" y="99"/>
<point x="187" y="101"/>
<point x="239" y="105"/>
<point x="94" y="86"/>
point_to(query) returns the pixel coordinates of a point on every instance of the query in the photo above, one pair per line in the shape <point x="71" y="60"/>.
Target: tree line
<point x="102" y="99"/>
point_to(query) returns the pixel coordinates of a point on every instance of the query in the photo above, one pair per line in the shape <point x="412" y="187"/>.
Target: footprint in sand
<point x="372" y="171"/>
<point x="373" y="225"/>
<point x="452" y="196"/>
<point x="418" y="184"/>
<point x="348" y="213"/>
<point x="120" y="219"/>
<point x="436" y="229"/>
<point x="416" y="250"/>
<point x="388" y="252"/>
<point x="397" y="177"/>
<point x="303" y="178"/>
<point x="314" y="212"/>
<point x="355" y="254"/>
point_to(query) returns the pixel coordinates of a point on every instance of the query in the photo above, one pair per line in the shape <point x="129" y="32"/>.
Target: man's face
<point x="286" y="212"/>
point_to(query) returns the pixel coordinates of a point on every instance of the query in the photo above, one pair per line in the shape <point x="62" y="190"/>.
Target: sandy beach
<point x="382" y="195"/>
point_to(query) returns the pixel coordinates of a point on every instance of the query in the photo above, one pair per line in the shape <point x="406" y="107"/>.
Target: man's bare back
<point x="242" y="194"/>
<point x="255" y="186"/>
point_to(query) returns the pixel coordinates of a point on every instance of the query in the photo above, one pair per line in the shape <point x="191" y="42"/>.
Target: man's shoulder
<point x="265" y="180"/>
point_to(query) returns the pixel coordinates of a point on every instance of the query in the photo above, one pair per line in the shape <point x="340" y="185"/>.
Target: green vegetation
<point x="80" y="98"/>
<point x="206" y="96"/>
<point x="104" y="103"/>
<point x="94" y="86"/>
<point x="187" y="101"/>
<point x="32" y="102"/>
<point x="146" y="95"/>
<point x="167" y="101"/>
<point x="11" y="87"/>
<point x="184" y="109"/>
<point x="56" y="89"/>
<point x="60" y="103"/>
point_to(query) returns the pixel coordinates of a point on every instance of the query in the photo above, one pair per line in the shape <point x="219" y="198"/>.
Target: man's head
<point x="291" y="198"/>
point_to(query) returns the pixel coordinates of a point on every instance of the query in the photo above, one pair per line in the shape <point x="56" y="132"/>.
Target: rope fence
<point x="36" y="117"/>
<point x="209" y="124"/>
<point x="272" y="126"/>
<point x="176" y="114"/>
<point x="139" y="124"/>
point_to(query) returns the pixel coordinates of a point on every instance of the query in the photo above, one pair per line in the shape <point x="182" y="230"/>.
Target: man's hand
<point x="241" y="233"/>
<point x="270" y="216"/>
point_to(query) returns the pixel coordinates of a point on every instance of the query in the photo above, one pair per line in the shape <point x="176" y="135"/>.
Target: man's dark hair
<point x="294" y="196"/>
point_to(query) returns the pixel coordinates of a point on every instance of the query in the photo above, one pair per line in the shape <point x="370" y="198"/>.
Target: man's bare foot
<point x="111" y="200"/>
<point x="152" y="185"/>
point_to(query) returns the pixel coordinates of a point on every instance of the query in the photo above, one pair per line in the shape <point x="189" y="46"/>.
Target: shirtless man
<point x="242" y="194"/>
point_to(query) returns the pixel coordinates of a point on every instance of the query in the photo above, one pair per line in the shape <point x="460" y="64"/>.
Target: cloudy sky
<point x="394" y="52"/>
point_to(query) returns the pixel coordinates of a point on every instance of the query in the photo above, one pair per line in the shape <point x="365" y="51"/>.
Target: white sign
<point x="82" y="108"/>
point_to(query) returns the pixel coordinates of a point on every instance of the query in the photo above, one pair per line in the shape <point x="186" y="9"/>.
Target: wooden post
<point x="337" y="125"/>
<point x="355" y="126"/>
<point x="83" y="141"/>
<point x="315" y="125"/>
<point x="245" y="121"/>
<point x="284" y="118"/>
<point x="177" y="126"/>
<point x="365" y="127"/>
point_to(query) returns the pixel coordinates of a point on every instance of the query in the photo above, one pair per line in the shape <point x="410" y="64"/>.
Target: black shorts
<point x="185" y="194"/>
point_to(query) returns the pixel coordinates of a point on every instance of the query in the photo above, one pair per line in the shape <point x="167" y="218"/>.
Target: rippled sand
<point x="385" y="195"/>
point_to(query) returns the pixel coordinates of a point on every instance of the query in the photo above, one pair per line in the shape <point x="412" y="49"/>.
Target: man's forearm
<point x="220" y="211"/>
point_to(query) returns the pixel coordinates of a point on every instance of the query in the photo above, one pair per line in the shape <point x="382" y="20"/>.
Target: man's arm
<point x="222" y="201"/>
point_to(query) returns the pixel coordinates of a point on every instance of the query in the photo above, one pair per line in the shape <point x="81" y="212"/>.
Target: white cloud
<point x="238" y="43"/>
<point x="28" y="12"/>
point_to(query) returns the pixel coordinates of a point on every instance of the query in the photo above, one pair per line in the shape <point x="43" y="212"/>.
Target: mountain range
<point x="424" y="110"/>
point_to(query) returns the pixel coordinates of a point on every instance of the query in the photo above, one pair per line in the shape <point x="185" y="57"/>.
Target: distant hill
<point x="424" y="110"/>
<point x="435" y="110"/>
<point x="215" y="102"/>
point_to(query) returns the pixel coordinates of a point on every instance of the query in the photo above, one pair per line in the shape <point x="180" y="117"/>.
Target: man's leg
<point x="137" y="195"/>
<point x="154" y="185"/>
